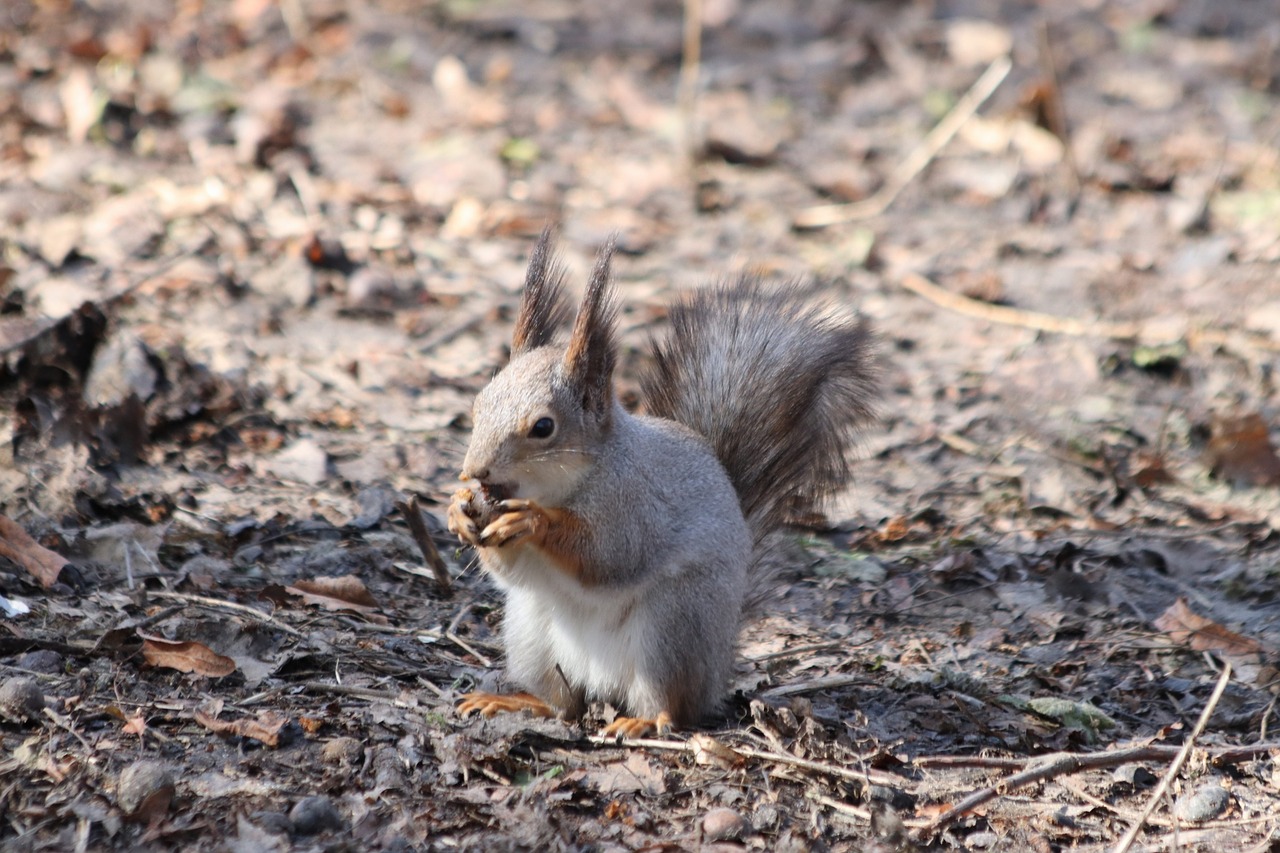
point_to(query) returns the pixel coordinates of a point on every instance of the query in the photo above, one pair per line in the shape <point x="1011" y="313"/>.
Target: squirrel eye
<point x="542" y="428"/>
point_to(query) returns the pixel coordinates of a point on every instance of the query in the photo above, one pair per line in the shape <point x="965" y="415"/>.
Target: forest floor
<point x="259" y="256"/>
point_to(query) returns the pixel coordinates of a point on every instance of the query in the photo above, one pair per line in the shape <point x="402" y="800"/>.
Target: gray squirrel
<point x="626" y="544"/>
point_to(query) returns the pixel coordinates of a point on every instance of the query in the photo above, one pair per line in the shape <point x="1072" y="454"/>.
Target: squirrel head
<point x="539" y="424"/>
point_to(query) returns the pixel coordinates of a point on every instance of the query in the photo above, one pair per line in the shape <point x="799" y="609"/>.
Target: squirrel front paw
<point x="517" y="519"/>
<point x="466" y="516"/>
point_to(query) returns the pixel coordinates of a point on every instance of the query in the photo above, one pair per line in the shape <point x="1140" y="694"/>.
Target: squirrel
<point x="627" y="544"/>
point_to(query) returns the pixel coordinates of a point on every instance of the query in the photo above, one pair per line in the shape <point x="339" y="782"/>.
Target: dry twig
<point x="915" y="162"/>
<point x="418" y="528"/>
<point x="1165" y="781"/>
<point x="1005" y="315"/>
<point x="695" y="748"/>
<point x="1044" y="768"/>
<point x="690" y="70"/>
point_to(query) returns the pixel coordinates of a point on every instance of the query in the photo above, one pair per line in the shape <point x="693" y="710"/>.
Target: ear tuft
<point x="593" y="351"/>
<point x="542" y="308"/>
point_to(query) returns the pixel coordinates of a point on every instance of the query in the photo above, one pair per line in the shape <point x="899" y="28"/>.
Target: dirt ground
<point x="259" y="256"/>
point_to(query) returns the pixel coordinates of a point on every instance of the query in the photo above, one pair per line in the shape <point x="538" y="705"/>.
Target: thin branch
<point x="1005" y="315"/>
<point x="696" y="747"/>
<point x="1127" y="841"/>
<point x="418" y="528"/>
<point x="690" y="71"/>
<point x="915" y="162"/>
<point x="218" y="604"/>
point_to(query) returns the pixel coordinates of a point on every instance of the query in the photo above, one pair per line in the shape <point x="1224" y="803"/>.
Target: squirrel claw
<point x="518" y="519"/>
<point x="461" y="522"/>
<point x="635" y="727"/>
<point x="489" y="704"/>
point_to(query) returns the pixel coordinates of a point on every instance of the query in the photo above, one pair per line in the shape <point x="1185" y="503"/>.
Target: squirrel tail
<point x="778" y="383"/>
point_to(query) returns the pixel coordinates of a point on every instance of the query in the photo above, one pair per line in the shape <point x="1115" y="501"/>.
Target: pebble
<point x="145" y="790"/>
<point x="722" y="825"/>
<point x="1204" y="803"/>
<point x="314" y="815"/>
<point x="21" y="699"/>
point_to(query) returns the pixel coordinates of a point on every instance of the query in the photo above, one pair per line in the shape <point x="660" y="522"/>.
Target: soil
<point x="258" y="258"/>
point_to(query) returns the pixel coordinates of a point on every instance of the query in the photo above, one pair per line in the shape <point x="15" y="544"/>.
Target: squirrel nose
<point x="478" y="474"/>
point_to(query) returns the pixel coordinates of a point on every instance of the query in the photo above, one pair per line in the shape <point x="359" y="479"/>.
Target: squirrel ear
<point x="542" y="306"/>
<point x="592" y="351"/>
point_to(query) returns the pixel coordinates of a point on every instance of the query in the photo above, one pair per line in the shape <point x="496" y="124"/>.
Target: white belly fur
<point x="593" y="635"/>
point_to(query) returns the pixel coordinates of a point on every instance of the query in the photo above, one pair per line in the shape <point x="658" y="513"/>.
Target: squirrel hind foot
<point x="637" y="727"/>
<point x="490" y="704"/>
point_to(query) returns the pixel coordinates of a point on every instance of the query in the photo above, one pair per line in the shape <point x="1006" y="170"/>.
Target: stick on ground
<point x="1165" y="781"/>
<point x="413" y="516"/>
<point x="915" y="162"/>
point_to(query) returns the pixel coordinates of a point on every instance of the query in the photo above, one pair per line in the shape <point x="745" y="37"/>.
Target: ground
<point x="259" y="256"/>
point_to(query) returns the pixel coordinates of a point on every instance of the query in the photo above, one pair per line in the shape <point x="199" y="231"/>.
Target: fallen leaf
<point x="1204" y="635"/>
<point x="135" y="725"/>
<point x="708" y="750"/>
<point x="16" y="544"/>
<point x="185" y="656"/>
<point x="342" y="593"/>
<point x="265" y="728"/>
<point x="1240" y="452"/>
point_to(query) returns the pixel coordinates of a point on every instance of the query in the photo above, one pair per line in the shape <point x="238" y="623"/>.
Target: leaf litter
<point x="248" y="292"/>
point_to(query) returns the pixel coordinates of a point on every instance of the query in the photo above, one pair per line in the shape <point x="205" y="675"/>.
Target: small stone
<point x="343" y="750"/>
<point x="722" y="825"/>
<point x="41" y="660"/>
<point x="304" y="461"/>
<point x="145" y="790"/>
<point x="314" y="815"/>
<point x="21" y="699"/>
<point x="273" y="823"/>
<point x="1204" y="803"/>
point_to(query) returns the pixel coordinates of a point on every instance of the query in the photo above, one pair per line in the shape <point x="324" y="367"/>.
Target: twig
<point x="915" y="162"/>
<point x="451" y="635"/>
<point x="961" y="304"/>
<point x="1056" y="111"/>
<point x="1003" y="314"/>
<point x="827" y="682"/>
<point x="1165" y="781"/>
<point x="1046" y="767"/>
<point x="694" y="748"/>
<point x="219" y="604"/>
<point x="690" y="70"/>
<point x="797" y="651"/>
<point x="413" y="515"/>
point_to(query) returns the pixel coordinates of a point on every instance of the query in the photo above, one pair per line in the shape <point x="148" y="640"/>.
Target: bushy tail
<point x="778" y="383"/>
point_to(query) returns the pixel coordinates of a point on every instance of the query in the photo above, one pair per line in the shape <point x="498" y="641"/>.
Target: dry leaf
<point x="1240" y="452"/>
<point x="16" y="544"/>
<point x="185" y="656"/>
<point x="708" y="750"/>
<point x="265" y="728"/>
<point x="135" y="725"/>
<point x="343" y="593"/>
<point x="1203" y="635"/>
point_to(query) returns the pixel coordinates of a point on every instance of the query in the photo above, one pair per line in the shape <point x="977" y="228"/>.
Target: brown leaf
<point x="16" y="544"/>
<point x="1240" y="452"/>
<point x="342" y="593"/>
<point x="708" y="750"/>
<point x="266" y="728"/>
<point x="1203" y="635"/>
<point x="185" y="656"/>
<point x="135" y="725"/>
